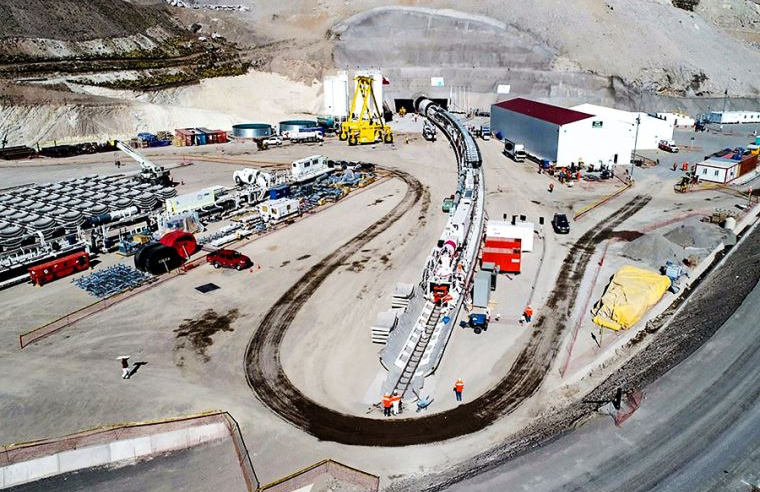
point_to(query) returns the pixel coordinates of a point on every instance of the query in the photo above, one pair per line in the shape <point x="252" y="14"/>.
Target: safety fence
<point x="29" y="461"/>
<point x="359" y="480"/>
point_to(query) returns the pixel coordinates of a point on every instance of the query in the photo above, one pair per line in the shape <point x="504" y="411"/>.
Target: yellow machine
<point x="367" y="125"/>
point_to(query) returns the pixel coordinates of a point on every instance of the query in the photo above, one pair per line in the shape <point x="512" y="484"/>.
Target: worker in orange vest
<point x="685" y="166"/>
<point x="396" y="403"/>
<point x="459" y="388"/>
<point x="528" y="314"/>
<point x="387" y="405"/>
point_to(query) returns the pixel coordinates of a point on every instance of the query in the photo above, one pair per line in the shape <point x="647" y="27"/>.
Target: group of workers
<point x="684" y="166"/>
<point x="392" y="402"/>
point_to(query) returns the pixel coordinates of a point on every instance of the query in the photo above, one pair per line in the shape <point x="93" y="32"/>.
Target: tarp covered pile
<point x="632" y="291"/>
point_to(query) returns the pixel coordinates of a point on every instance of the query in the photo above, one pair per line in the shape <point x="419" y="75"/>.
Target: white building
<point x="563" y="135"/>
<point x="652" y="128"/>
<point x="733" y="117"/>
<point x="717" y="170"/>
<point x="678" y="120"/>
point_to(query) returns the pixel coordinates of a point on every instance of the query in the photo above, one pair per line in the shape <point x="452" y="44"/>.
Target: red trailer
<point x="60" y="267"/>
<point x="506" y="254"/>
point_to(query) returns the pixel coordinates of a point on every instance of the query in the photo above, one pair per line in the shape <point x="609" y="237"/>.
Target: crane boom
<point x="143" y="161"/>
<point x="150" y="172"/>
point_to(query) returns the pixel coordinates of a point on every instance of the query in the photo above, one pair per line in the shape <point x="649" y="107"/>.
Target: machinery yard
<point x="396" y="291"/>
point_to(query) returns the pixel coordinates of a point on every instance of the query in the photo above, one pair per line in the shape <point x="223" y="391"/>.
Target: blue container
<point x="281" y="191"/>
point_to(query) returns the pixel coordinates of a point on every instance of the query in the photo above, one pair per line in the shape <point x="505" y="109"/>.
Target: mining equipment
<point x="149" y="173"/>
<point x="365" y="124"/>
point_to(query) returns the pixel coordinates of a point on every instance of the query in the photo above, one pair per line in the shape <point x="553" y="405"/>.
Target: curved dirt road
<point x="271" y="385"/>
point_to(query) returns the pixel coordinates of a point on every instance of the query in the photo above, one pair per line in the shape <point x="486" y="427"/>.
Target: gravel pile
<point x="654" y="250"/>
<point x="696" y="235"/>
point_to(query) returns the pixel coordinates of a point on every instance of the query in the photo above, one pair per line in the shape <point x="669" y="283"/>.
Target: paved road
<point x="211" y="467"/>
<point x="698" y="429"/>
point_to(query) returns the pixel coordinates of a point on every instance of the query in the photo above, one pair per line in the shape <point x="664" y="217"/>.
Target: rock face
<point x="551" y="50"/>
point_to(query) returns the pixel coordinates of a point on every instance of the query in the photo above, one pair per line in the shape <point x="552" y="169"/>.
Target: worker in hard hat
<point x="528" y="314"/>
<point x="459" y="388"/>
<point x="396" y="403"/>
<point x="124" y="359"/>
<point x="387" y="405"/>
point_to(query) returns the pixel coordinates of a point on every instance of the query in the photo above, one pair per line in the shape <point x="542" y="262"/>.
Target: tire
<point x="477" y="331"/>
<point x="388" y="138"/>
<point x="343" y="136"/>
<point x="238" y="267"/>
<point x="352" y="140"/>
<point x="216" y="265"/>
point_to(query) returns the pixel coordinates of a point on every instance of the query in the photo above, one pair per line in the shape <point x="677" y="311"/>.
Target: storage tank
<point x="335" y="89"/>
<point x="252" y="130"/>
<point x="293" y="126"/>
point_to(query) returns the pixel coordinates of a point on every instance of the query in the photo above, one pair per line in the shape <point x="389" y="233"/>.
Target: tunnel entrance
<point x="408" y="104"/>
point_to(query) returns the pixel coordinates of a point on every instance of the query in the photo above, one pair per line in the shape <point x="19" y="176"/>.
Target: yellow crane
<point x="367" y="125"/>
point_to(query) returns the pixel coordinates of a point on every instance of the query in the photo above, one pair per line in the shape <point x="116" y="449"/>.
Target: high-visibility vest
<point x="459" y="386"/>
<point x="395" y="398"/>
<point x="386" y="401"/>
<point x="529" y="311"/>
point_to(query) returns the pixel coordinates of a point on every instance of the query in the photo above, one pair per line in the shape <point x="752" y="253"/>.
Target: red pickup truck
<point x="228" y="258"/>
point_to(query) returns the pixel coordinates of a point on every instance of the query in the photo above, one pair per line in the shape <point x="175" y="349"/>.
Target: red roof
<point x="544" y="112"/>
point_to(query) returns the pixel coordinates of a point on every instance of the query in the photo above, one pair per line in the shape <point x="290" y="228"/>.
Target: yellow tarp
<point x="632" y="291"/>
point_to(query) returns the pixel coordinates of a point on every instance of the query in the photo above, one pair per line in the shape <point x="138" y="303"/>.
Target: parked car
<point x="228" y="258"/>
<point x="668" y="146"/>
<point x="560" y="224"/>
<point x="273" y="140"/>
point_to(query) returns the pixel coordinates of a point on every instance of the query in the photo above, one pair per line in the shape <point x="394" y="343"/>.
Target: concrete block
<point x="77" y="459"/>
<point x="28" y="471"/>
<point x="122" y="450"/>
<point x="167" y="441"/>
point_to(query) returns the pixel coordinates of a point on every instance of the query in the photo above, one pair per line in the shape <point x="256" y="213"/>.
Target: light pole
<point x="635" y="143"/>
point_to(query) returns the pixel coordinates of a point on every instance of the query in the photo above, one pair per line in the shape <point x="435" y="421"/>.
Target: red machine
<point x="183" y="242"/>
<point x="506" y="254"/>
<point x="60" y="267"/>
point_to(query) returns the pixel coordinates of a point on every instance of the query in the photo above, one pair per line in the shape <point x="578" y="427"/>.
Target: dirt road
<point x="271" y="385"/>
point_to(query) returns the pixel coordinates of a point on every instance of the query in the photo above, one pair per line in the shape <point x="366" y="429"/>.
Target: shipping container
<point x="59" y="268"/>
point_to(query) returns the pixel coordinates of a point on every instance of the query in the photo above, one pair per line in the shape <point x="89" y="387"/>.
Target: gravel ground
<point x="675" y="337"/>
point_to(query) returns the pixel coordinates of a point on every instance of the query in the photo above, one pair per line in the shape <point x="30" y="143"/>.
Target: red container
<point x="506" y="254"/>
<point x="60" y="267"/>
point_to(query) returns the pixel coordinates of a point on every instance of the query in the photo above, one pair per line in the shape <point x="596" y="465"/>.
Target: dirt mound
<point x="74" y="20"/>
<point x="653" y="249"/>
<point x="696" y="235"/>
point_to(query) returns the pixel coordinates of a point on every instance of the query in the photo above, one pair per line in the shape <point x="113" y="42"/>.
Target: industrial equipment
<point x="428" y="131"/>
<point x="366" y="125"/>
<point x="60" y="267"/>
<point x="673" y="272"/>
<point x="150" y="173"/>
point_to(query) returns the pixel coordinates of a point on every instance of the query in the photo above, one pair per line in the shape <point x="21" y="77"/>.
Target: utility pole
<point x="725" y="99"/>
<point x="635" y="143"/>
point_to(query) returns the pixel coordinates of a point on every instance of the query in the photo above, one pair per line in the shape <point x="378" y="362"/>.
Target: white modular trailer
<point x="309" y="168"/>
<point x="717" y="170"/>
<point x="731" y="117"/>
<point x="651" y="127"/>
<point x="335" y="89"/>
<point x="274" y="211"/>
<point x="524" y="231"/>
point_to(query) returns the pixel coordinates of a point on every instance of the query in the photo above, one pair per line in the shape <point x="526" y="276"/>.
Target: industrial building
<point x="651" y="127"/>
<point x="679" y="120"/>
<point x="730" y="117"/>
<point x="563" y="135"/>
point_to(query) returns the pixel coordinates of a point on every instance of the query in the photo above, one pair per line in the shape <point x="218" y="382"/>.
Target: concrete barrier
<point x="27" y="462"/>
